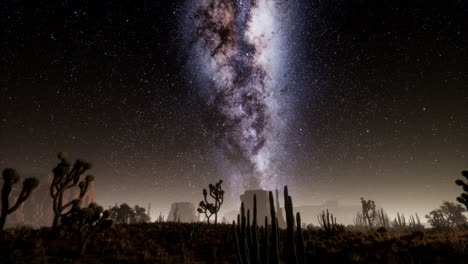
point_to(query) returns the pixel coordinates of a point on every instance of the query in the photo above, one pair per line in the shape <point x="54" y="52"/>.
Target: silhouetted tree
<point x="437" y="220"/>
<point x="212" y="208"/>
<point x="66" y="177"/>
<point x="124" y="214"/>
<point x="85" y="223"/>
<point x="463" y="198"/>
<point x="449" y="215"/>
<point x="368" y="212"/>
<point x="140" y="215"/>
<point x="10" y="178"/>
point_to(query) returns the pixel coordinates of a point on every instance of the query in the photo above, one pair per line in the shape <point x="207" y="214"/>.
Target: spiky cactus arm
<point x="10" y="178"/>
<point x="463" y="198"/>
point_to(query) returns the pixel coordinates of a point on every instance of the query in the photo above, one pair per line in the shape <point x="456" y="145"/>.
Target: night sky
<point x="357" y="98"/>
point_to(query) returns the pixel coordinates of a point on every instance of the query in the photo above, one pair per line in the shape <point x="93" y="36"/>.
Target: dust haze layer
<point x="238" y="59"/>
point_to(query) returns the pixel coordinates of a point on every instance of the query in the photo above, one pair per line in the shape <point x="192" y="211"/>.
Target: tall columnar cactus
<point x="415" y="222"/>
<point x="208" y="208"/>
<point x="66" y="177"/>
<point x="300" y="245"/>
<point x="463" y="198"/>
<point x="253" y="246"/>
<point x="10" y="178"/>
<point x="279" y="211"/>
<point x="327" y="221"/>
<point x="400" y="221"/>
<point x="265" y="244"/>
<point x="274" y="250"/>
<point x="241" y="237"/>
<point x="289" y="246"/>
<point x="383" y="218"/>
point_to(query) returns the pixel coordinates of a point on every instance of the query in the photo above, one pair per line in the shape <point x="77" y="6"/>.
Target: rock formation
<point x="183" y="212"/>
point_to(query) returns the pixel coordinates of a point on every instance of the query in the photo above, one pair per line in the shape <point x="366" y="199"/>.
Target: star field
<point x="377" y="100"/>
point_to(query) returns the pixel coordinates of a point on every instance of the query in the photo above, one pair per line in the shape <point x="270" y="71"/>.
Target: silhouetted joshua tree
<point x="463" y="198"/>
<point x="85" y="223"/>
<point x="10" y="178"/>
<point x="66" y="177"/>
<point x="368" y="212"/>
<point x="208" y="208"/>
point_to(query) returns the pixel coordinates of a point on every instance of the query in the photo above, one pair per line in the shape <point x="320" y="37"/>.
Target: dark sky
<point x="381" y="99"/>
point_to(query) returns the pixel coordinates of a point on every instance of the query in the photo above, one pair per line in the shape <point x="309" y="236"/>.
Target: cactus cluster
<point x="10" y="178"/>
<point x="210" y="209"/>
<point x="399" y="221"/>
<point x="463" y="198"/>
<point x="415" y="222"/>
<point x="383" y="219"/>
<point x="328" y="222"/>
<point x="254" y="245"/>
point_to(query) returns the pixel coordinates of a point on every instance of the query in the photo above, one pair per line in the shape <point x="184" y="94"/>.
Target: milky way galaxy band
<point x="238" y="53"/>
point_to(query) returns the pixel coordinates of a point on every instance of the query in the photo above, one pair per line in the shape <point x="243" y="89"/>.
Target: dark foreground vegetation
<point x="87" y="233"/>
<point x="202" y="243"/>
